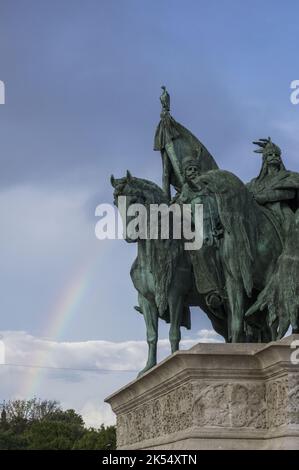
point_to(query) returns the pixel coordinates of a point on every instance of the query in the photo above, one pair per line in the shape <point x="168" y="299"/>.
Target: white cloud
<point x="209" y="336"/>
<point x="24" y="349"/>
<point x="78" y="374"/>
<point x="96" y="413"/>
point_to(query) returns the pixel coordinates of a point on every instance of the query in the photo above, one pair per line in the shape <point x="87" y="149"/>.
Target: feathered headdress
<point x="267" y="146"/>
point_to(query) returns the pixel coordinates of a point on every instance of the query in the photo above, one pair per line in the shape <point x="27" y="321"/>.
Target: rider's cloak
<point x="280" y="297"/>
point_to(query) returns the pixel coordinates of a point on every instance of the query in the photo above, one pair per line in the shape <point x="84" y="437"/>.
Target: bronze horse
<point x="162" y="274"/>
<point x="166" y="277"/>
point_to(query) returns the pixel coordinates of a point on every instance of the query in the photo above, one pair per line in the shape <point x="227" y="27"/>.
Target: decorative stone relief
<point x="248" y="405"/>
<point x="167" y="414"/>
<point x="211" y="406"/>
<point x="231" y="405"/>
<point x="293" y="399"/>
<point x="277" y="402"/>
<point x="252" y="405"/>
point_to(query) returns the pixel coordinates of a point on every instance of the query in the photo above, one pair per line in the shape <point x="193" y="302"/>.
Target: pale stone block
<point x="213" y="396"/>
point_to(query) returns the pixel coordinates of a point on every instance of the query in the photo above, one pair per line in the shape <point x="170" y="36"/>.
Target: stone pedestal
<point x="213" y="396"/>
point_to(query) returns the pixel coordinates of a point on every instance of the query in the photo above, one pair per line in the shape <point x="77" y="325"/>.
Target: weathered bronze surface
<point x="245" y="276"/>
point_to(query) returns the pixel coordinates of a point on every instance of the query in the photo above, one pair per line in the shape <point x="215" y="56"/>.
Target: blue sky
<point x="82" y="101"/>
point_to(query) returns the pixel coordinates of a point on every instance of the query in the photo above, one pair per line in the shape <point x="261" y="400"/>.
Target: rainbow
<point x="70" y="299"/>
<point x="63" y="311"/>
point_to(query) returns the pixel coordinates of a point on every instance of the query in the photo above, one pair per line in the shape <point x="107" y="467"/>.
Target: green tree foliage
<point x="93" y="439"/>
<point x="43" y="424"/>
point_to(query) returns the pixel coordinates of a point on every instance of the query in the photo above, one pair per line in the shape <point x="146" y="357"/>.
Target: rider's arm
<point x="274" y="195"/>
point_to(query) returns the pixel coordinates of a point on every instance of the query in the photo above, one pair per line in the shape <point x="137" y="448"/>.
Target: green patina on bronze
<point x="245" y="276"/>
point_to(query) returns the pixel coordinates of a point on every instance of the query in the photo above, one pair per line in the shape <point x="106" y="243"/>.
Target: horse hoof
<point x="143" y="371"/>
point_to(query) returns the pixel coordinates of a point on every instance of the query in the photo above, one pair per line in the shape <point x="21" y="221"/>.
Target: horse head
<point x="131" y="191"/>
<point x="137" y="190"/>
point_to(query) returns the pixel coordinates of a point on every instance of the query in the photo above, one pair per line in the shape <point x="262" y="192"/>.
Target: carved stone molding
<point x="206" y="398"/>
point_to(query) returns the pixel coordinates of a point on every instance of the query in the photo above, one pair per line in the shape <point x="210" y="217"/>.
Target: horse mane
<point x="163" y="254"/>
<point x="150" y="190"/>
<point x="154" y="194"/>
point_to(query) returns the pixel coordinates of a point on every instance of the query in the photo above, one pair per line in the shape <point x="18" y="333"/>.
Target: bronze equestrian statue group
<point x="245" y="276"/>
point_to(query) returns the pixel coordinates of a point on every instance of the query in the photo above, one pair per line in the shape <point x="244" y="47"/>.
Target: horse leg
<point x="294" y="316"/>
<point x="235" y="293"/>
<point x="273" y="330"/>
<point x="176" y="305"/>
<point x="150" y="314"/>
